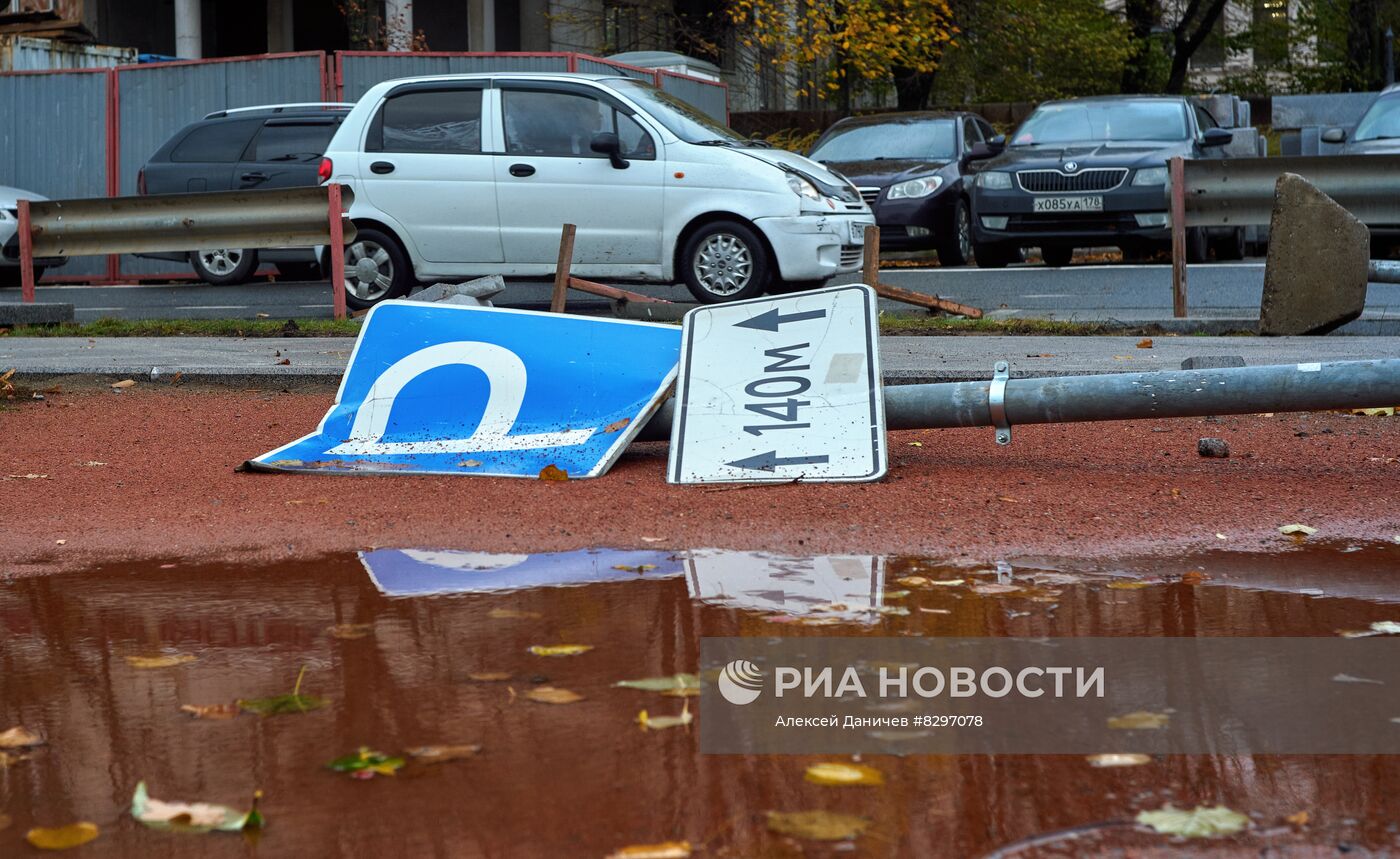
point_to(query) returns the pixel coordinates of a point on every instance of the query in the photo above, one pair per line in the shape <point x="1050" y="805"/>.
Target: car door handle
<point x="522" y="170"/>
<point x="381" y="167"/>
<point x="254" y="177"/>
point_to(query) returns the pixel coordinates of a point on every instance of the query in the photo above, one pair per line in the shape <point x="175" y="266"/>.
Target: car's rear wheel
<point x="1197" y="244"/>
<point x="955" y="248"/>
<point x="224" y="266"/>
<point x="11" y="275"/>
<point x="994" y="256"/>
<point x="725" y="261"/>
<point x="376" y="269"/>
<point x="1231" y="247"/>
<point x="1057" y="255"/>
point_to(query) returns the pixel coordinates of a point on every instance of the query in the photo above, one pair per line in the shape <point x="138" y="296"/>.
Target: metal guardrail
<point x="281" y="218"/>
<point x="1235" y="192"/>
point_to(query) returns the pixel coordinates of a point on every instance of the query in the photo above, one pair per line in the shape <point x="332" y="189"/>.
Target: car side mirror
<point x="1334" y="135"/>
<point x="1217" y="137"/>
<point x="607" y="144"/>
<point x="997" y="144"/>
<point x="976" y="152"/>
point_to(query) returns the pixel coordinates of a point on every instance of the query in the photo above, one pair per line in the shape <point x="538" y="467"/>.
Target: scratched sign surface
<point x="777" y="390"/>
<point x="444" y="389"/>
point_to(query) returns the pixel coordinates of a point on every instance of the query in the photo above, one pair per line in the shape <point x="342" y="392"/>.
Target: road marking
<point x="212" y="307"/>
<point x="1104" y="267"/>
<point x="313" y="306"/>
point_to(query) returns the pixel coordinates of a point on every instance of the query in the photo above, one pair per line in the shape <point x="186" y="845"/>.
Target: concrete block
<point x="482" y="290"/>
<point x="37" y="313"/>
<point x="647" y="311"/>
<point x="1333" y="108"/>
<point x="1319" y="257"/>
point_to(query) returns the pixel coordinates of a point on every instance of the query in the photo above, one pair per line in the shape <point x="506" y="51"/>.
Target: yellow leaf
<point x="1118" y="760"/>
<point x="551" y="695"/>
<point x="124" y="383"/>
<point x="640" y="568"/>
<point x="913" y="581"/>
<point x="211" y="711"/>
<point x="838" y="774"/>
<point x="560" y="649"/>
<point x="664" y="850"/>
<point x="62" y="838"/>
<point x="443" y="754"/>
<point x="19" y="737"/>
<point x="1299" y="818"/>
<point x="660" y="723"/>
<point x="1139" y="720"/>
<point x="510" y="613"/>
<point x="1198" y="823"/>
<point x="817" y="825"/>
<point x="350" y="631"/>
<point x="553" y="472"/>
<point x="489" y="676"/>
<point x="1297" y="530"/>
<point x="168" y="660"/>
<point x="1127" y="586"/>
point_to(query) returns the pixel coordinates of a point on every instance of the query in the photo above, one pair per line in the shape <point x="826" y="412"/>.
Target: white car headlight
<point x="1151" y="176"/>
<point x="914" y="188"/>
<point x="802" y="188"/>
<point x="994" y="180"/>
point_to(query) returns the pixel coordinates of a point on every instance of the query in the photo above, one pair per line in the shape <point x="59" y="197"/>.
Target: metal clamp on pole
<point x="996" y="402"/>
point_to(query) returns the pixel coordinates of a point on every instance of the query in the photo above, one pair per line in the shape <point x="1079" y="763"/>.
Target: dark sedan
<point x="909" y="167"/>
<point x="1092" y="172"/>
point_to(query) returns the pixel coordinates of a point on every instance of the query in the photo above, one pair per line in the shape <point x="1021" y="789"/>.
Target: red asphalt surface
<point x="96" y="475"/>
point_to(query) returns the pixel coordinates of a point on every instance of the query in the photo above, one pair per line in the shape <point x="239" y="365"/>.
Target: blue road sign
<point x="419" y="572"/>
<point x="449" y="389"/>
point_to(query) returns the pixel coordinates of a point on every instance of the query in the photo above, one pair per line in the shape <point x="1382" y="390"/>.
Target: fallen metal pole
<point x="1128" y="396"/>
<point x="1384" y="271"/>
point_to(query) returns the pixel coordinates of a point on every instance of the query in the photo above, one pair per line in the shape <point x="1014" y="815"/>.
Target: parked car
<point x="468" y="175"/>
<point x="9" y="237"/>
<point x="1378" y="132"/>
<point x="909" y="167"/>
<point x="269" y="146"/>
<point x="1091" y="172"/>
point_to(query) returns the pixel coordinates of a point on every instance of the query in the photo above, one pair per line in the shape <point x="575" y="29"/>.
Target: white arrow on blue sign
<point x="450" y="389"/>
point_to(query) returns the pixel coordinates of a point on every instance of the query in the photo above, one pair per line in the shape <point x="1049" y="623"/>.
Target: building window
<point x="621" y="27"/>
<point x="1270" y="32"/>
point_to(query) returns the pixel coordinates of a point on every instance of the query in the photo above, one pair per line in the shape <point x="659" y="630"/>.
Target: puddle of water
<point x="582" y="779"/>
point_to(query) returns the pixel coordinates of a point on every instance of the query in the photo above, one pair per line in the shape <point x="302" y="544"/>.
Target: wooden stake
<point x="561" y="271"/>
<point x="26" y="254"/>
<point x="870" y="271"/>
<point x="1178" y="217"/>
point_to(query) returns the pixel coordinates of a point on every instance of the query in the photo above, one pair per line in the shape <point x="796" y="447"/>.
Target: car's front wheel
<point x="1233" y="246"/>
<point x="1057" y="256"/>
<point x="375" y="269"/>
<point x="955" y="248"/>
<point x="725" y="261"/>
<point x="994" y="256"/>
<point x="224" y="266"/>
<point x="786" y="287"/>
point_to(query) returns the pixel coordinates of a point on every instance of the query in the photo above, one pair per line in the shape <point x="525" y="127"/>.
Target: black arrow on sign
<point x="771" y="319"/>
<point x="770" y="460"/>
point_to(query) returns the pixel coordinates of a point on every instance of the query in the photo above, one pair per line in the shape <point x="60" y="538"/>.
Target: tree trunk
<point x="1363" y="44"/>
<point x="1141" y="15"/>
<point x="912" y="88"/>
<point x="1193" y="29"/>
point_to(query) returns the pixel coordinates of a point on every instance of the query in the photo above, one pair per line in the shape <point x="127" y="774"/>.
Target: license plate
<point x="1068" y="204"/>
<point x="858" y="232"/>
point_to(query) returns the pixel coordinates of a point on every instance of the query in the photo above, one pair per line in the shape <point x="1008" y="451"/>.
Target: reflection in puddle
<point x="434" y="648"/>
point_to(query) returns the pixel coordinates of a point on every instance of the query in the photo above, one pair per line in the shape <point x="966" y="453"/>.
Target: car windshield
<point x="925" y="140"/>
<point x="680" y="117"/>
<point x="1381" y="121"/>
<point x="1089" y="121"/>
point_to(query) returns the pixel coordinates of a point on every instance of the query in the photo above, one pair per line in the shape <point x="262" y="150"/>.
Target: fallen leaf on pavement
<point x="279" y="705"/>
<point x="662" y="684"/>
<point x="211" y="711"/>
<point x="817" y="825"/>
<point x="1195" y="577"/>
<point x="191" y="816"/>
<point x="664" y="850"/>
<point x="1139" y="720"/>
<point x="913" y="581"/>
<point x="1145" y="343"/>
<point x="443" y="754"/>
<point x="8" y="760"/>
<point x="513" y="614"/>
<point x="167" y="660"/>
<point x="560" y="649"/>
<point x="659" y="539"/>
<point x="1297" y="531"/>
<point x="1198" y="823"/>
<point x="616" y="425"/>
<point x="660" y="723"/>
<point x="1380" y="627"/>
<point x="1118" y="760"/>
<point x="916" y="444"/>
<point x="19" y="737"/>
<point x="551" y="695"/>
<point x="1127" y="586"/>
<point x="124" y="383"/>
<point x="1351" y="678"/>
<point x="350" y="631"/>
<point x="992" y="588"/>
<point x="5" y="822"/>
<point x="1299" y="818"/>
<point x="1008" y="499"/>
<point x="366" y="763"/>
<point x="896" y="595"/>
<point x="469" y="463"/>
<point x="284" y="362"/>
<point x="841" y="774"/>
<point x="1386" y="412"/>
<point x="489" y="676"/>
<point x="640" y="568"/>
<point x="553" y="472"/>
<point x="63" y="837"/>
<point x="947" y="582"/>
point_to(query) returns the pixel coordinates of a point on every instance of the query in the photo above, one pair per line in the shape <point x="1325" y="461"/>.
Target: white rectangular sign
<point x="781" y="389"/>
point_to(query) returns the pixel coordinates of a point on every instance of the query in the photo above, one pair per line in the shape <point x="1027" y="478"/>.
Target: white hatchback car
<point x="469" y="175"/>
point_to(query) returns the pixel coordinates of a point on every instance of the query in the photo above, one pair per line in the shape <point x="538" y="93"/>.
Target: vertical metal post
<point x="26" y="253"/>
<point x="561" y="271"/>
<point x="1178" y="219"/>
<point x="337" y="252"/>
<point x="870" y="270"/>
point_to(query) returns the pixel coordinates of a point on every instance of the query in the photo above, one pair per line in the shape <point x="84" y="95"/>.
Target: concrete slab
<point x="35" y="313"/>
<point x="1317" y="270"/>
